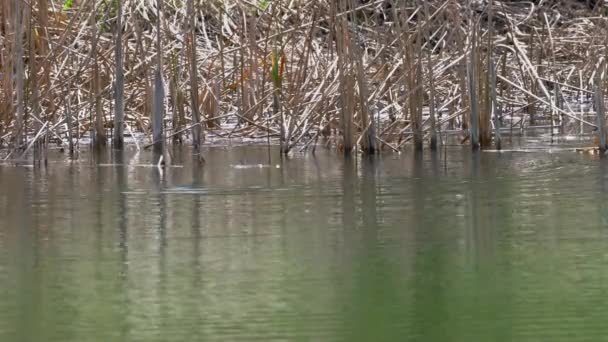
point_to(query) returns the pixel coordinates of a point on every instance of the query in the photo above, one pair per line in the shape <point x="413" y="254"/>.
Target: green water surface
<point x="450" y="247"/>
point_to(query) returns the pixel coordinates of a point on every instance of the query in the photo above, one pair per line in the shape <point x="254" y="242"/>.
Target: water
<point x="456" y="247"/>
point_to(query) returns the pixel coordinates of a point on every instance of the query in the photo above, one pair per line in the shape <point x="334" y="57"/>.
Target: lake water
<point x="451" y="247"/>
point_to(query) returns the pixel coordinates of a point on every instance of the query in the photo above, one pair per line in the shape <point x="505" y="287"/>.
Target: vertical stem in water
<point x="158" y="109"/>
<point x="175" y="95"/>
<point x="348" y="108"/>
<point x="433" y="133"/>
<point x="6" y="105"/>
<point x="347" y="86"/>
<point x="99" y="138"/>
<point x="556" y="91"/>
<point x="243" y="108"/>
<point x="418" y="95"/>
<point x="197" y="133"/>
<point x="474" y="116"/>
<point x="119" y="110"/>
<point x="485" y="125"/>
<point x="33" y="76"/>
<point x="68" y="116"/>
<point x="276" y="98"/>
<point x="462" y="70"/>
<point x="276" y="104"/>
<point x="369" y="131"/>
<point x="601" y="112"/>
<point x="367" y="122"/>
<point x="533" y="85"/>
<point x="581" y="99"/>
<point x="495" y="108"/>
<point x="19" y="73"/>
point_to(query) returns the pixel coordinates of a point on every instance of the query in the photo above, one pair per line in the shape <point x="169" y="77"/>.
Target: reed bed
<point x="352" y="74"/>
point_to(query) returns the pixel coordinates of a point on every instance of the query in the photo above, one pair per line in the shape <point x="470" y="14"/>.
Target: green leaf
<point x="264" y="4"/>
<point x="67" y="5"/>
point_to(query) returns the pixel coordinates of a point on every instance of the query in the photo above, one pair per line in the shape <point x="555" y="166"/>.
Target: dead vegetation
<point x="368" y="75"/>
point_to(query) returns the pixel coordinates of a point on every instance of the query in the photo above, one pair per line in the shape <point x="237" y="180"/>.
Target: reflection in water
<point x="25" y="257"/>
<point x="429" y="257"/>
<point x="120" y="172"/>
<point x="462" y="246"/>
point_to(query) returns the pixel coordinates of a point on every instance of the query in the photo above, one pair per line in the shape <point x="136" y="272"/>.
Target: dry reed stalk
<point x="413" y="70"/>
<point x="368" y="138"/>
<point x="553" y="67"/>
<point x="158" y="107"/>
<point x="173" y="96"/>
<point x="158" y="111"/>
<point x="243" y="71"/>
<point x="19" y="74"/>
<point x="119" y="110"/>
<point x="581" y="100"/>
<point x="197" y="133"/>
<point x="495" y="106"/>
<point x="33" y="83"/>
<point x="430" y="67"/>
<point x="473" y="88"/>
<point x="99" y="136"/>
<point x="277" y="98"/>
<point x="533" y="85"/>
<point x="348" y="108"/>
<point x="548" y="104"/>
<point x="69" y="118"/>
<point x="416" y="87"/>
<point x="402" y="30"/>
<point x="211" y="105"/>
<point x="6" y="109"/>
<point x="461" y="71"/>
<point x="347" y="84"/>
<point x="485" y="82"/>
<point x="601" y="111"/>
<point x="251" y="82"/>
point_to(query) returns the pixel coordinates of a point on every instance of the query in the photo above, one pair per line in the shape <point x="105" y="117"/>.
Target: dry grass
<point x="345" y="72"/>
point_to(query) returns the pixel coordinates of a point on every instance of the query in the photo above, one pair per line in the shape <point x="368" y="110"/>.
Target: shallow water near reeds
<point x="448" y="247"/>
